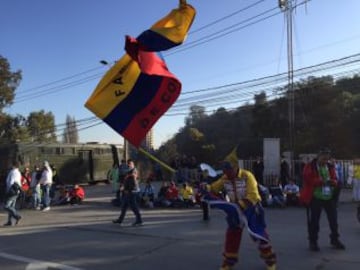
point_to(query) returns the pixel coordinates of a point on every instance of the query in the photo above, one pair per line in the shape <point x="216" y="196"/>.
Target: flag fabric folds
<point x="139" y="88"/>
<point x="232" y="157"/>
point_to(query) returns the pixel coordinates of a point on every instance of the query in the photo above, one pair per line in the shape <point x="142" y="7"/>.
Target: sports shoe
<point x="8" y="224"/>
<point x="17" y="220"/>
<point x="46" y="209"/>
<point x="314" y="246"/>
<point x="271" y="267"/>
<point x="337" y="244"/>
<point x="116" y="221"/>
<point x="137" y="223"/>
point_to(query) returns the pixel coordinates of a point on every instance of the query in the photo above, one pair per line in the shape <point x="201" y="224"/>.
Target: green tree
<point x="41" y="126"/>
<point x="71" y="134"/>
<point x="9" y="81"/>
<point x="13" y="129"/>
<point x="196" y="113"/>
<point x="326" y="115"/>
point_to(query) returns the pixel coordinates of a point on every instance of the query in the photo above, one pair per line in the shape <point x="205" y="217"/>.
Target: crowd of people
<point x="237" y="190"/>
<point x="36" y="189"/>
<point x="183" y="189"/>
<point x="232" y="189"/>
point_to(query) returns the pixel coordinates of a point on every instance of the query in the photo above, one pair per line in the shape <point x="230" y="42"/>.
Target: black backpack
<point x="14" y="190"/>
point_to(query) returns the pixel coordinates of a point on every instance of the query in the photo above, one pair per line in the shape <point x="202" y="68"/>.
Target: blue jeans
<point x="130" y="199"/>
<point x="46" y="195"/>
<point x="36" y="196"/>
<point x="10" y="208"/>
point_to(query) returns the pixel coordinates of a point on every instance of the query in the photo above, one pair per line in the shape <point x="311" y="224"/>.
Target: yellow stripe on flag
<point x="176" y="24"/>
<point x="114" y="87"/>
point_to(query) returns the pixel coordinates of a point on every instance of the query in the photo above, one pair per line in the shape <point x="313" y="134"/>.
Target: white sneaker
<point x="46" y="208"/>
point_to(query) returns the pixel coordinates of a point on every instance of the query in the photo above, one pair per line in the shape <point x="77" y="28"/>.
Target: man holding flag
<point x="243" y="210"/>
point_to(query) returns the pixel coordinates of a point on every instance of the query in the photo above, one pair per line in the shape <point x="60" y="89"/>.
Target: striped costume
<point x="243" y="211"/>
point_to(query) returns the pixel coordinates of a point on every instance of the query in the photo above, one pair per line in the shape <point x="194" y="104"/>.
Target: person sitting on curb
<point x="63" y="196"/>
<point x="292" y="193"/>
<point x="77" y="195"/>
<point x="277" y="195"/>
<point x="187" y="195"/>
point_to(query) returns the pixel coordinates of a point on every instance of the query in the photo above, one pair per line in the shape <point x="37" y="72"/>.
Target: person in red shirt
<point x="25" y="179"/>
<point x="77" y="195"/>
<point x="317" y="194"/>
<point x="172" y="193"/>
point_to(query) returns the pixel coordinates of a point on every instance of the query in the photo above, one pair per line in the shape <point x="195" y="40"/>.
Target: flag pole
<point x="142" y="150"/>
<point x="125" y="153"/>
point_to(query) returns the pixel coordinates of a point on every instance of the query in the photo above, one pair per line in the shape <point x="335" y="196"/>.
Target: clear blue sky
<point x="52" y="40"/>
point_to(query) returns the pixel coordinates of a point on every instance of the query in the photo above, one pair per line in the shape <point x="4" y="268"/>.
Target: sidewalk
<point x="346" y="196"/>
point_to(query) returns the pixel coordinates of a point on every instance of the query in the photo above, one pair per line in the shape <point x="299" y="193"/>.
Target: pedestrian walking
<point x="46" y="181"/>
<point x="13" y="189"/>
<point x="130" y="191"/>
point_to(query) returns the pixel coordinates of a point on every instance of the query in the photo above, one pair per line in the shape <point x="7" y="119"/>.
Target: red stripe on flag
<point x="167" y="94"/>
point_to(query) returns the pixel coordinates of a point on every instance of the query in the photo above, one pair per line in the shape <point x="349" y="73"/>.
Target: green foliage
<point x="37" y="127"/>
<point x="327" y="114"/>
<point x="41" y="126"/>
<point x="13" y="129"/>
<point x="195" y="134"/>
<point x="71" y="134"/>
<point x="8" y="83"/>
<point x="196" y="114"/>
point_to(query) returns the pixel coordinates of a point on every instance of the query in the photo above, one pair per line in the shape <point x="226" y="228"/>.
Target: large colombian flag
<point x="139" y="88"/>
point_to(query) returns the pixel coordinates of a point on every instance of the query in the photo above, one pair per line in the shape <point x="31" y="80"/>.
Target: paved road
<point x="83" y="237"/>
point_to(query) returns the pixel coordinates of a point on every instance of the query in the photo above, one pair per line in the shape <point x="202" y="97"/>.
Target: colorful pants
<point x="253" y="219"/>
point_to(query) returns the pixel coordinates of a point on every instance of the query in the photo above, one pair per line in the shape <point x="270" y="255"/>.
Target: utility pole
<point x="287" y="7"/>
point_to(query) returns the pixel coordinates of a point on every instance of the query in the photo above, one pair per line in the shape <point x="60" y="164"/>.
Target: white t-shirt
<point x="46" y="177"/>
<point x="291" y="188"/>
<point x="14" y="176"/>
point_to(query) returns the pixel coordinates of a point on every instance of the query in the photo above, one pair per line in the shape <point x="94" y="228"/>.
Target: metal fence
<point x="342" y="169"/>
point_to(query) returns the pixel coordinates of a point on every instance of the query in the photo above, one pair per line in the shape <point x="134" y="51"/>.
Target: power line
<point x="274" y="80"/>
<point x="61" y="80"/>
<point x="231" y="29"/>
<point x="91" y="122"/>
<point x="226" y="17"/>
<point x="56" y="89"/>
<point x="21" y="97"/>
<point x="222" y="33"/>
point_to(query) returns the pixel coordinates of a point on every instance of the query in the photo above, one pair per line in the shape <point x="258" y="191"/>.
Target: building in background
<point x="148" y="142"/>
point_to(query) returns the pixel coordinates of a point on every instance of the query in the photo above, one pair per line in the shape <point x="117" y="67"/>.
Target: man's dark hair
<point x="16" y="164"/>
